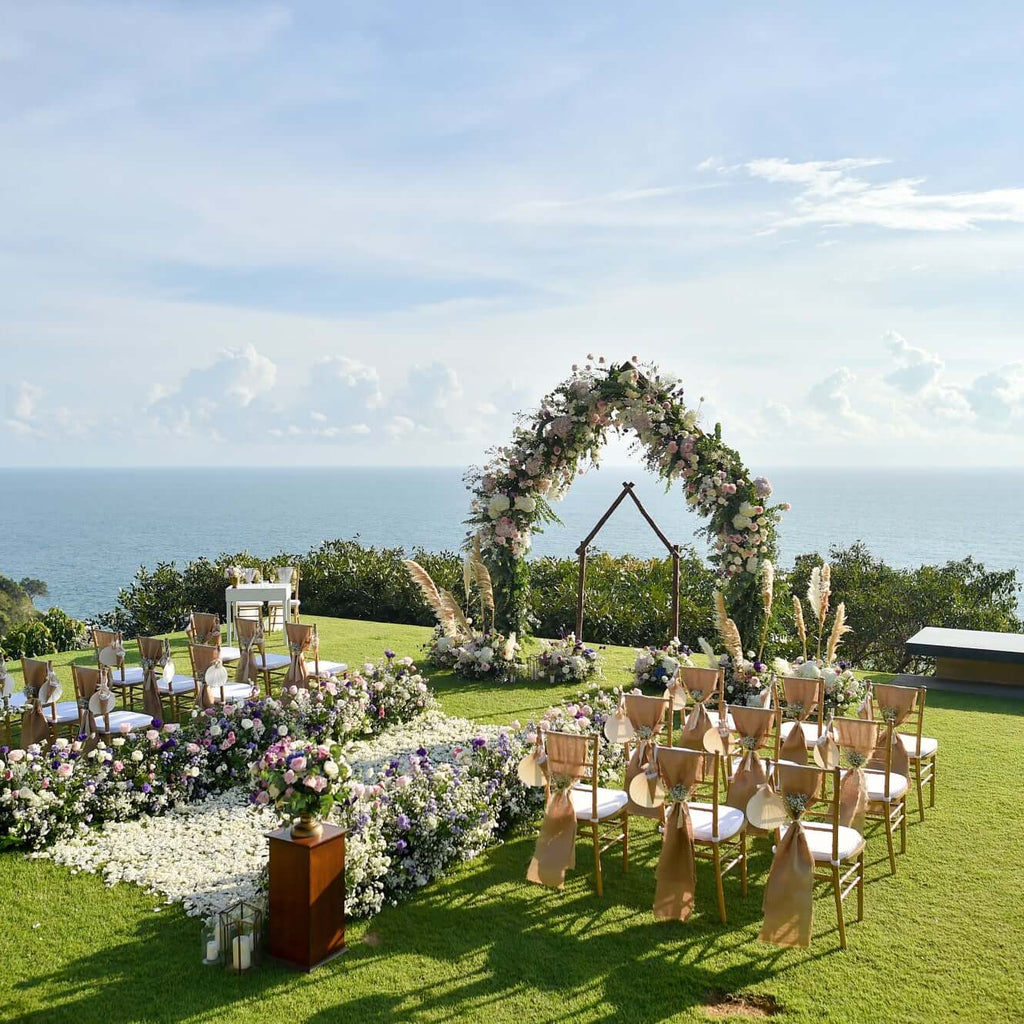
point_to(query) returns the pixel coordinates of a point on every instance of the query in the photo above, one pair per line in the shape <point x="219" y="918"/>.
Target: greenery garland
<point x="513" y="493"/>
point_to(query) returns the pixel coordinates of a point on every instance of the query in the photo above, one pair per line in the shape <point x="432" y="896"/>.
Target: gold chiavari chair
<point x="125" y="680"/>
<point x="576" y="801"/>
<point x="258" y="663"/>
<point x="869" y="747"/>
<point x="922" y="751"/>
<point x="204" y="628"/>
<point x="60" y="715"/>
<point x="179" y="690"/>
<point x="802" y="702"/>
<point x="209" y="691"/>
<point x="804" y="809"/>
<point x="95" y="719"/>
<point x="717" y="829"/>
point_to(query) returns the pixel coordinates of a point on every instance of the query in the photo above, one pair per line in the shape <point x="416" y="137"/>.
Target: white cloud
<point x="831" y="194"/>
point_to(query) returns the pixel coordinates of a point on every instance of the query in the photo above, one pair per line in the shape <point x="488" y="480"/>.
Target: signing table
<point x="257" y="593"/>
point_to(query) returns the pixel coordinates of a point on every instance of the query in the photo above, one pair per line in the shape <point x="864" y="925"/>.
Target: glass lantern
<point x="241" y="936"/>
<point x="210" y="940"/>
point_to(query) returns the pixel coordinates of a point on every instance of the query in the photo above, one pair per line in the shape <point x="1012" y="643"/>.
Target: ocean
<point x="86" y="531"/>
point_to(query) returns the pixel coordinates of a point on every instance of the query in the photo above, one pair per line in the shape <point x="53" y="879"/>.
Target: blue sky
<point x="369" y="233"/>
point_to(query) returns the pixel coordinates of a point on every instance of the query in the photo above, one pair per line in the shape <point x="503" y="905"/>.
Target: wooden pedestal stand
<point x="307" y="897"/>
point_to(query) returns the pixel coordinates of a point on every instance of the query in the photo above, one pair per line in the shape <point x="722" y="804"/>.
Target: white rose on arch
<point x="497" y="505"/>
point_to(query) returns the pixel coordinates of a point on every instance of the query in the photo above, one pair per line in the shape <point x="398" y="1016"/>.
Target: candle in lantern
<point x="241" y="953"/>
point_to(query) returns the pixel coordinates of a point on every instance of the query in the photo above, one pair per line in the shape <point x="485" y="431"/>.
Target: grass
<point x="940" y="942"/>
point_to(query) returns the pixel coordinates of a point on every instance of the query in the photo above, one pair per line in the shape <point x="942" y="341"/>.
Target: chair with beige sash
<point x="692" y="830"/>
<point x="97" y="709"/>
<point x="160" y="681"/>
<point x="45" y="715"/>
<point x="285" y="574"/>
<point x="125" y="680"/>
<point x="255" y="663"/>
<point x="566" y="765"/>
<point x="904" y="707"/>
<point x="210" y="679"/>
<point x="875" y="786"/>
<point x="807" y="849"/>
<point x="304" y="640"/>
<point x="204" y="628"/>
<point x="802" y="702"/>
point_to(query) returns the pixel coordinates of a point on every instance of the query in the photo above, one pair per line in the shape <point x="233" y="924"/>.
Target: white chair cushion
<point x="67" y="711"/>
<point x="272" y="661"/>
<point x="819" y="839"/>
<point x="234" y="692"/>
<point x="809" y="729"/>
<point x="118" y="719"/>
<point x="609" y="802"/>
<point x="730" y="821"/>
<point x="330" y="667"/>
<point x="928" y="745"/>
<point x="713" y="715"/>
<point x="179" y="684"/>
<point x="230" y="654"/>
<point x="132" y="676"/>
<point x="898" y="785"/>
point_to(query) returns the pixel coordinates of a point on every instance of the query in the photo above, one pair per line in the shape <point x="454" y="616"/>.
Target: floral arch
<point x="514" y="491"/>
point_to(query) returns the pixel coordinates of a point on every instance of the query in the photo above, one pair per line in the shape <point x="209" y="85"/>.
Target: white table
<point x="251" y="593"/>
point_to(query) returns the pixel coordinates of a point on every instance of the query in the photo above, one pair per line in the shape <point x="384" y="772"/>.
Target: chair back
<point x="804" y="699"/>
<point x="204" y="628"/>
<point x="202" y="656"/>
<point x="102" y="638"/>
<point x="890" y="703"/>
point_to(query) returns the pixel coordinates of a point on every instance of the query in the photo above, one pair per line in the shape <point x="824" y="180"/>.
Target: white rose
<point x="524" y="503"/>
<point x="497" y="505"/>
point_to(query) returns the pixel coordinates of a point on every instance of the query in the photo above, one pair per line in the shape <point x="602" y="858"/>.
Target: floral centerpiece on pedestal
<point x="660" y="665"/>
<point x="568" y="660"/>
<point x="456" y="643"/>
<point x="303" y="780"/>
<point x="843" y="689"/>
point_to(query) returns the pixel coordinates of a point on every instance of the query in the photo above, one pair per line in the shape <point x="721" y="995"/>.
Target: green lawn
<point x="940" y="942"/>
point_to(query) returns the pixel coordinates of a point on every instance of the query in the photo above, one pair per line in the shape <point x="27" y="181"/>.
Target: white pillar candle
<point x="212" y="949"/>
<point x="241" y="954"/>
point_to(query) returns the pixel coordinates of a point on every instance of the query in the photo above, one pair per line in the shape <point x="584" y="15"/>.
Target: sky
<point x="334" y="233"/>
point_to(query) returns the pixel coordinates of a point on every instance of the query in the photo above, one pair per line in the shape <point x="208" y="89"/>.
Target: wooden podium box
<point x="307" y="897"/>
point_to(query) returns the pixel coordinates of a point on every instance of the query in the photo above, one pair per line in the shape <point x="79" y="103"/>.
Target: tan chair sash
<point x="857" y="739"/>
<point x="555" y="853"/>
<point x="753" y="726"/>
<point x="675" y="878"/>
<point x="895" y="705"/>
<point x="204" y="628"/>
<point x="647" y="717"/>
<point x="250" y="644"/>
<point x="301" y="638"/>
<point x="789" y="892"/>
<point x="154" y="652"/>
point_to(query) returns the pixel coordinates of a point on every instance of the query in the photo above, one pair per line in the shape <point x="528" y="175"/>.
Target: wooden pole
<point x="582" y="549"/>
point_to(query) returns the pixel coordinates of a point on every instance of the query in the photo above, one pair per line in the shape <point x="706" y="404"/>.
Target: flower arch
<point x="514" y="491"/>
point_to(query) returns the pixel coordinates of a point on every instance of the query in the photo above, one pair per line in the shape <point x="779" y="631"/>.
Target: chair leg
<point x="597" y="859"/>
<point x="716" y="853"/>
<point x="743" y="862"/>
<point x="625" y="843"/>
<point x="860" y="887"/>
<point x="837" y="889"/>
<point x="918" y="772"/>
<point x="887" y="813"/>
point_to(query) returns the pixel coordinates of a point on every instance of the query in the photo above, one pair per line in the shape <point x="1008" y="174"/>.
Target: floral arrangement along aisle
<point x="513" y="492"/>
<point x="568" y="661"/>
<point x="843" y="690"/>
<point x="455" y="643"/>
<point x="660" y="665"/>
